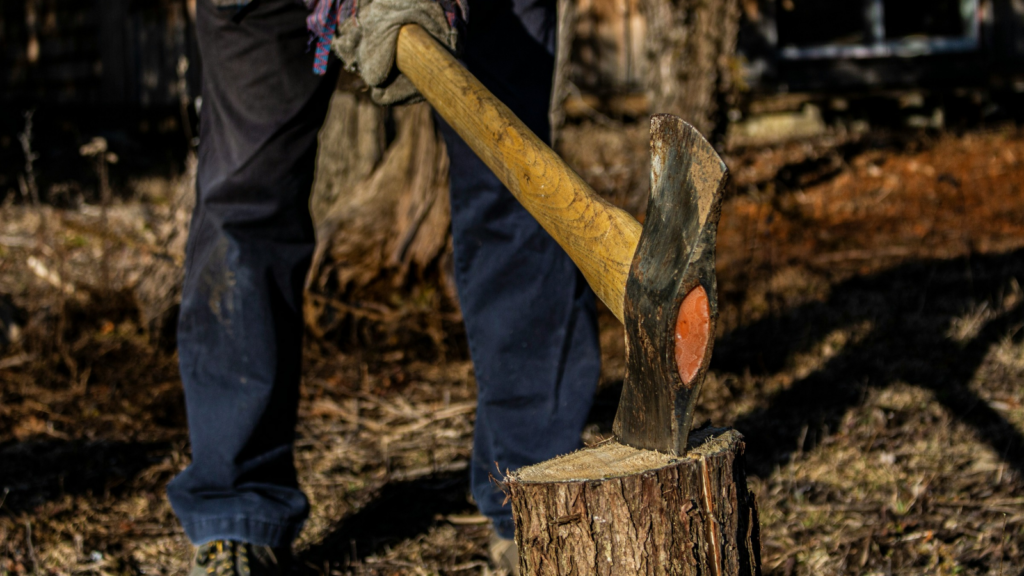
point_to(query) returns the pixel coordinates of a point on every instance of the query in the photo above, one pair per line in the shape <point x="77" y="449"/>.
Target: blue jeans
<point x="530" y="317"/>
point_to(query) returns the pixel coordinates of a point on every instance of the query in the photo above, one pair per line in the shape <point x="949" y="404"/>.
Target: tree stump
<point x="613" y="510"/>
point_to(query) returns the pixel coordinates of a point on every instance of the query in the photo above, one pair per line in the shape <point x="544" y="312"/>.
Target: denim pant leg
<point x="240" y="328"/>
<point x="529" y="313"/>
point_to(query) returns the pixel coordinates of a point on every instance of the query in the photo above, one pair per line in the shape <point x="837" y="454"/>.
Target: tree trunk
<point x="613" y="509"/>
<point x="690" y="58"/>
<point x="390" y="213"/>
<point x="380" y="204"/>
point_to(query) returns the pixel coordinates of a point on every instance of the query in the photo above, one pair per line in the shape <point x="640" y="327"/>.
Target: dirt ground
<point x="870" y="348"/>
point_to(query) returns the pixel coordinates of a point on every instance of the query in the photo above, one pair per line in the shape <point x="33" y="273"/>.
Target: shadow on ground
<point x="401" y="511"/>
<point x="36" y="471"/>
<point x="930" y="324"/>
<point x="911" y="311"/>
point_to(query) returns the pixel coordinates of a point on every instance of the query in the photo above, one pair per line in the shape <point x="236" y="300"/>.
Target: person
<point x="529" y="314"/>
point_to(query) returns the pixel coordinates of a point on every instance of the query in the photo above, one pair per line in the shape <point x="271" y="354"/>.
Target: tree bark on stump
<point x="613" y="510"/>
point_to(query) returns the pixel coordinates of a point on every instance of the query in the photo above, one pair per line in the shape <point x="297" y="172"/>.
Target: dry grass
<point x="870" y="347"/>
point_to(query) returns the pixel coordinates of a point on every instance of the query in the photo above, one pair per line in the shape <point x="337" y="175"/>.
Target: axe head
<point x="671" y="305"/>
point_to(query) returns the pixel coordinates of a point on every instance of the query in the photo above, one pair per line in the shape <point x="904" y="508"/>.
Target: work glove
<point x="366" y="42"/>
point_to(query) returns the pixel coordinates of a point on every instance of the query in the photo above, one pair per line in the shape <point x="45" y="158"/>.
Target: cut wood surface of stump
<point x="615" y="510"/>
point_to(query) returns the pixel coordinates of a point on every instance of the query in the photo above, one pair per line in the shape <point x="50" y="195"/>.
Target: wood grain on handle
<point x="599" y="237"/>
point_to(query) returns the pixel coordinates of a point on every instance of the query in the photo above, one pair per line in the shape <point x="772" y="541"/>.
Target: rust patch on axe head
<point x="671" y="304"/>
<point x="693" y="330"/>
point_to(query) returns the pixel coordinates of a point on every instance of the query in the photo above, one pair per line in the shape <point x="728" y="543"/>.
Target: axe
<point x="658" y="279"/>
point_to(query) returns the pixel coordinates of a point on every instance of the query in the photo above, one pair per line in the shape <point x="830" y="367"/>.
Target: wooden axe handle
<point x="599" y="237"/>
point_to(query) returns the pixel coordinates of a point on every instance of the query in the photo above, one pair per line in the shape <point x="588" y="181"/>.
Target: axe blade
<point x="671" y="304"/>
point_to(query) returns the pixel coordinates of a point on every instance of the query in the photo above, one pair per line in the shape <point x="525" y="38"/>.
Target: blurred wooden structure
<point x="697" y="59"/>
<point x="633" y="57"/>
<point x="801" y="45"/>
<point x="608" y="48"/>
